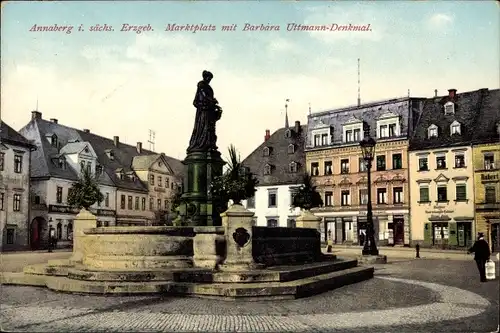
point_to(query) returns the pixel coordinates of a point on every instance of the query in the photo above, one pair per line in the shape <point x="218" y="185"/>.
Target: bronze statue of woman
<point x="208" y="112"/>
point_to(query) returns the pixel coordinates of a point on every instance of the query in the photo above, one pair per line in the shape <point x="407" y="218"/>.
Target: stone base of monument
<point x="372" y="260"/>
<point x="236" y="261"/>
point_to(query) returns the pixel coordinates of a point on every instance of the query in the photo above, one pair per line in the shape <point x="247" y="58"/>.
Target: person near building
<point x="481" y="250"/>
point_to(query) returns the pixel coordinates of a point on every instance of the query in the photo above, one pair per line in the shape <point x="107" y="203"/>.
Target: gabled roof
<point x="468" y="109"/>
<point x="74" y="147"/>
<point x="9" y="135"/>
<point x="279" y="159"/>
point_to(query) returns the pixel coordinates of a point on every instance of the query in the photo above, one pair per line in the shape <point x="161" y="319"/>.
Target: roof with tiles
<point x="8" y="134"/>
<point x="279" y="158"/>
<point x="472" y="110"/>
<point x="488" y="123"/>
<point x="44" y="162"/>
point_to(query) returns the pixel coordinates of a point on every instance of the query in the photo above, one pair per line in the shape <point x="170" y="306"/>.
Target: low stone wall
<point x="281" y="246"/>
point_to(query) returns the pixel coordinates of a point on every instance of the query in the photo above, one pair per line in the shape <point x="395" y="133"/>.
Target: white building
<point x="279" y="165"/>
<point x="15" y="151"/>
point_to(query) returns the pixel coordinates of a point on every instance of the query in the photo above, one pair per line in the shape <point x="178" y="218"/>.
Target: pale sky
<point x="123" y="83"/>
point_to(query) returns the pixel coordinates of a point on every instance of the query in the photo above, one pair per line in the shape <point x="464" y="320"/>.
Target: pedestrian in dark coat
<point x="481" y="251"/>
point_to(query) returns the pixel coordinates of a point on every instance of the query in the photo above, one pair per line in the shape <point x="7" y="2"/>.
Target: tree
<point x="237" y="183"/>
<point x="85" y="192"/>
<point x="306" y="196"/>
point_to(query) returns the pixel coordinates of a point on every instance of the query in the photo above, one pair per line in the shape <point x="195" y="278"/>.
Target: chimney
<point x="268" y="135"/>
<point x="297" y="126"/>
<point x="86" y="130"/>
<point x="139" y="147"/>
<point x="54" y="120"/>
<point x="116" y="140"/>
<point x="452" y="93"/>
<point x="36" y="115"/>
<point x="435" y="93"/>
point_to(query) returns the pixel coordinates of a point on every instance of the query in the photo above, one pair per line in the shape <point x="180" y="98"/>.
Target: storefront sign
<point x="159" y="189"/>
<point x="489" y="176"/>
<point x="63" y="209"/>
<point x="439" y="210"/>
<point x="105" y="212"/>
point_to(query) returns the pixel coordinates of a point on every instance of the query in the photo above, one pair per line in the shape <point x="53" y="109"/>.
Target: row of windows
<point x="159" y="181"/>
<point x="345" y="197"/>
<point x="460" y="193"/>
<point x="132" y="203"/>
<point x="273" y="222"/>
<point x="16" y="205"/>
<point x="381" y="165"/>
<point x="58" y="232"/>
<point x="18" y="163"/>
<point x="441" y="163"/>
<point x="59" y="197"/>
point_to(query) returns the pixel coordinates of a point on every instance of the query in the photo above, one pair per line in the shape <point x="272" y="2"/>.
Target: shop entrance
<point x="464" y="236"/>
<point x="439" y="234"/>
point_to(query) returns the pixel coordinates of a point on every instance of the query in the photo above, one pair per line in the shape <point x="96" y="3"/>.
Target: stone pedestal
<point x="238" y="223"/>
<point x="84" y="220"/>
<point x="372" y="260"/>
<point x="209" y="247"/>
<point x="308" y="220"/>
<point x="198" y="208"/>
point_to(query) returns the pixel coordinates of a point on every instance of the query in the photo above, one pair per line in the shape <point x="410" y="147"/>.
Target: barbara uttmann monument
<point x="203" y="161"/>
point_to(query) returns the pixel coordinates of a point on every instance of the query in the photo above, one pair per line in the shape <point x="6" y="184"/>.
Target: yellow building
<point x="334" y="159"/>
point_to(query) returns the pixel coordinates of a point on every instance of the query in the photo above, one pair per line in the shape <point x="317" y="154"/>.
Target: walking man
<point x="481" y="251"/>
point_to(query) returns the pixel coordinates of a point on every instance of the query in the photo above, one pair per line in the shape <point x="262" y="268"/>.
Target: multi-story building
<point x="335" y="161"/>
<point x="279" y="165"/>
<point x="441" y="169"/>
<point x="486" y="163"/>
<point x="15" y="151"/>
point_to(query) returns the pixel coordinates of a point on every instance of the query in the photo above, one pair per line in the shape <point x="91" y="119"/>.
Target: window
<point x="2" y="161"/>
<point x="122" y="175"/>
<point x="291" y="149"/>
<point x="59" y="194"/>
<point x="293" y="192"/>
<point x="167" y="182"/>
<point x="357" y="135"/>
<point x="251" y="202"/>
<point x="424" y="194"/>
<point x="292" y="167"/>
<point x="159" y="181"/>
<point x="490" y="194"/>
<point x="315" y="169"/>
<point x="328" y="168"/>
<point x="165" y="207"/>
<point x="106" y="200"/>
<point x="106" y="223"/>
<point x="383" y="131"/>
<point x="363" y="196"/>
<point x="423" y="164"/>
<point x="288" y="133"/>
<point x="345" y="198"/>
<point x="441" y="162"/>
<point x="122" y="201"/>
<point x="98" y="169"/>
<point x="397" y="195"/>
<point x="461" y="192"/>
<point x="266" y="151"/>
<point x="151" y="204"/>
<point x="99" y="203"/>
<point x="53" y="140"/>
<point x="455" y="128"/>
<point x="442" y="193"/>
<point x="324" y="139"/>
<point x="129" y="202"/>
<point x="290" y="223"/>
<point x="344" y="166"/>
<point x="143" y="203"/>
<point x="362" y="165"/>
<point x="272" y="202"/>
<point x="459" y="161"/>
<point x="136" y="206"/>
<point x="348" y="136"/>
<point x="62" y="163"/>
<point x="159" y="204"/>
<point x="59" y="230"/>
<point x="18" y="163"/>
<point x="69" y="230"/>
<point x="449" y="108"/>
<point x="397" y="161"/>
<point x="272" y="223"/>
<point x="392" y="130"/>
<point x="489" y="162"/>
<point x="17" y="202"/>
<point x="381" y="196"/>
<point x="267" y="169"/>
<point x="10" y="235"/>
<point x="432" y="131"/>
<point x="381" y="163"/>
<point x="317" y="140"/>
<point x="152" y="180"/>
<point x="328" y="198"/>
<point x="2" y="199"/>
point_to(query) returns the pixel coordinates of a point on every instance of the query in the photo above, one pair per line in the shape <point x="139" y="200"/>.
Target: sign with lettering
<point x="73" y="210"/>
<point x="439" y="210"/>
<point x="105" y="212"/>
<point x="159" y="189"/>
<point x="489" y="176"/>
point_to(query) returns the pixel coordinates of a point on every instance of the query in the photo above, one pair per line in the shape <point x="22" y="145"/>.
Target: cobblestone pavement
<point x="443" y="296"/>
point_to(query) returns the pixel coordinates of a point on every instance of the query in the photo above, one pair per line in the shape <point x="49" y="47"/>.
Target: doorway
<point x="362" y="225"/>
<point x="439" y="234"/>
<point x="495" y="237"/>
<point x="398" y="230"/>
<point x="37" y="230"/>
<point x="464" y="236"/>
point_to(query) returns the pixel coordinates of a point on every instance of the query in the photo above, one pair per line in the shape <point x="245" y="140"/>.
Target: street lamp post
<point x="368" y="149"/>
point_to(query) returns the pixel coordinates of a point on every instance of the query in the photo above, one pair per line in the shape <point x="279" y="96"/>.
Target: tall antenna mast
<point x="309" y="108"/>
<point x="151" y="140"/>
<point x="36" y="103"/>
<point x="359" y="85"/>
<point x="286" y="113"/>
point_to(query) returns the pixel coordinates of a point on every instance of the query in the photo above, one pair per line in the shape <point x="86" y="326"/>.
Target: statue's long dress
<point x="203" y="136"/>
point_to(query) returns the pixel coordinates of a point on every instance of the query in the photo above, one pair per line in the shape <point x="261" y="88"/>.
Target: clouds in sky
<point x="440" y="20"/>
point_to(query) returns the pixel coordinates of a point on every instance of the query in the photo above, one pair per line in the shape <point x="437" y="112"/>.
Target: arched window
<point x="59" y="230"/>
<point x="69" y="230"/>
<point x="106" y="223"/>
<point x="291" y="149"/>
<point x="99" y="224"/>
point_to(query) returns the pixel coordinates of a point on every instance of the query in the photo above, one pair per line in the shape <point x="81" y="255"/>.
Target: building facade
<point x="279" y="165"/>
<point x="334" y="159"/>
<point x="486" y="163"/>
<point x="15" y="151"/>
<point x="442" y="171"/>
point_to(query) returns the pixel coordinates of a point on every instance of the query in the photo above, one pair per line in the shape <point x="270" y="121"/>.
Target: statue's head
<point x="207" y="76"/>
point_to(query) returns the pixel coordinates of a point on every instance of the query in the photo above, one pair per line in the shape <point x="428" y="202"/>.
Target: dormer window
<point x="111" y="154"/>
<point x="62" y="163"/>
<point x="267" y="169"/>
<point x="449" y="108"/>
<point x="432" y="131"/>
<point x="291" y="149"/>
<point x="388" y="125"/>
<point x="292" y="167"/>
<point x="98" y="170"/>
<point x="53" y="140"/>
<point x="288" y="133"/>
<point x="455" y="128"/>
<point x="266" y="151"/>
<point x="122" y="175"/>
